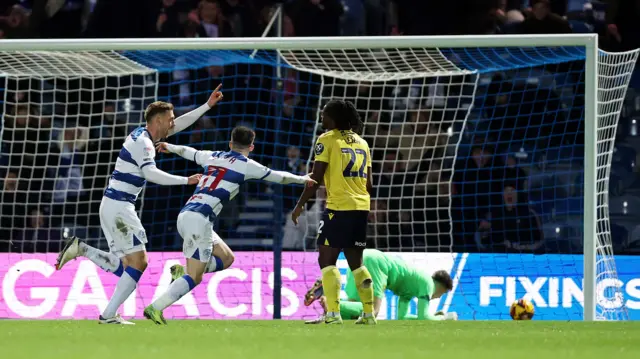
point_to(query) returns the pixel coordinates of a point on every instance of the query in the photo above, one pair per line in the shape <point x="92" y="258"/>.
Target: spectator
<point x="518" y="117"/>
<point x="241" y="19"/>
<point x="542" y="21"/>
<point x="476" y="185"/>
<point x="17" y="22"/>
<point x="14" y="135"/>
<point x="38" y="237"/>
<point x="167" y="22"/>
<point x="516" y="175"/>
<point x="204" y="132"/>
<point x="623" y="23"/>
<point x="354" y="19"/>
<point x="384" y="182"/>
<point x="14" y="202"/>
<point x="109" y="124"/>
<point x="470" y="17"/>
<point x="509" y="15"/>
<point x="25" y="139"/>
<point x="377" y="228"/>
<point x="427" y="17"/>
<point x="294" y="164"/>
<point x="68" y="175"/>
<point x="265" y="16"/>
<point x="211" y="18"/>
<point x="412" y="169"/>
<point x="303" y="235"/>
<point x="392" y="185"/>
<point x="134" y="19"/>
<point x="377" y="18"/>
<point x="477" y="17"/>
<point x="417" y="136"/>
<point x="58" y="18"/>
<point x="514" y="226"/>
<point x="316" y="17"/>
<point x="193" y="27"/>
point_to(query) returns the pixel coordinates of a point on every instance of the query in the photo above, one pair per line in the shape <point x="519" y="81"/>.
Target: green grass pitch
<point x="293" y="339"/>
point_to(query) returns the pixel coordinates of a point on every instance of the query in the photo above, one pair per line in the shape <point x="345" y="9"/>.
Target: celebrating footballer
<point x="127" y="257"/>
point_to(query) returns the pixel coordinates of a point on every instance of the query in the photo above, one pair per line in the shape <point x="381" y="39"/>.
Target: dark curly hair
<point x="344" y="114"/>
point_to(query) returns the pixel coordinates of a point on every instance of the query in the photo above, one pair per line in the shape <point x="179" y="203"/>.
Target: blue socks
<point x="126" y="285"/>
<point x="177" y="290"/>
<point x="215" y="265"/>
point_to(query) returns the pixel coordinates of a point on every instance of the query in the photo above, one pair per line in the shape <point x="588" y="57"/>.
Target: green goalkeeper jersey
<point x="405" y="281"/>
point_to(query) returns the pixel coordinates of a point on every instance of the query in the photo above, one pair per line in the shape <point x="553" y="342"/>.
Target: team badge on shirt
<point x="319" y="148"/>
<point x="147" y="154"/>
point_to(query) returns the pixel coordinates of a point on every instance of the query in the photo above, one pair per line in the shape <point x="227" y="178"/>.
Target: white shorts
<point x="198" y="237"/>
<point x="122" y="227"/>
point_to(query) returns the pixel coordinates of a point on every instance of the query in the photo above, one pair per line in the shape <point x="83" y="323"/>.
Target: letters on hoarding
<point x="485" y="286"/>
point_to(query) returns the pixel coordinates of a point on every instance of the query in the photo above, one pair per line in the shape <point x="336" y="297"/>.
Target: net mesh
<point x="612" y="88"/>
<point x="65" y="115"/>
<point x="489" y="160"/>
<point x="474" y="150"/>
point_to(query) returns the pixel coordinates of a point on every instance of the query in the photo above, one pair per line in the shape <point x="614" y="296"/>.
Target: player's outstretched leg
<point x="181" y="283"/>
<point x="315" y="292"/>
<point x="74" y="247"/>
<point x="205" y="253"/>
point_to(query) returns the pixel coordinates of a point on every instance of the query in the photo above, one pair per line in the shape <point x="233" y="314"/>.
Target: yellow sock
<point x="331" y="286"/>
<point x="365" y="288"/>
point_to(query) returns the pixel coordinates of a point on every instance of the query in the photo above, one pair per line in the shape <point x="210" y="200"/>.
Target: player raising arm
<point x="118" y="218"/>
<point x="389" y="272"/>
<point x="204" y="250"/>
<point x="343" y="160"/>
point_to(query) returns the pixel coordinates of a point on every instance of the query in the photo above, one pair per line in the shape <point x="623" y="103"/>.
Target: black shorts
<point x="343" y="229"/>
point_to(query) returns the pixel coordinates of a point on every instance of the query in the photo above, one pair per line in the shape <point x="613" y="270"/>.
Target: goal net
<point x="482" y="150"/>
<point x="64" y="117"/>
<point x="478" y="160"/>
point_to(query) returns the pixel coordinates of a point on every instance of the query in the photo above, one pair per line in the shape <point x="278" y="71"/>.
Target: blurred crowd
<point x="488" y="203"/>
<point x="617" y="19"/>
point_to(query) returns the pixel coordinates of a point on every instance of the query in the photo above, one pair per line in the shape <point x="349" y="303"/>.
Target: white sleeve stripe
<point x="124" y="187"/>
<point x="124" y="166"/>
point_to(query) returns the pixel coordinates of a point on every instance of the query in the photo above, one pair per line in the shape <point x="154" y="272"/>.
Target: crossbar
<point x="293" y="43"/>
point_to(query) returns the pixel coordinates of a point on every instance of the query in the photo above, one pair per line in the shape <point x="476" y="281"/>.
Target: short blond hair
<point x="155" y="109"/>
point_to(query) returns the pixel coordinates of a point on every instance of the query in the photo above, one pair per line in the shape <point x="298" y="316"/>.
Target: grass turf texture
<point x="293" y="339"/>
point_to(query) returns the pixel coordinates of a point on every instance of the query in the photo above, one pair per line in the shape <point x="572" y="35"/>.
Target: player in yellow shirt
<point x="343" y="161"/>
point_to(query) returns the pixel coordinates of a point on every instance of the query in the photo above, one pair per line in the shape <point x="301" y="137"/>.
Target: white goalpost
<point x="399" y="84"/>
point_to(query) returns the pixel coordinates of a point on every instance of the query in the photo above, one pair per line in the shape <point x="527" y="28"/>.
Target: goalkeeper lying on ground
<point x="388" y="272"/>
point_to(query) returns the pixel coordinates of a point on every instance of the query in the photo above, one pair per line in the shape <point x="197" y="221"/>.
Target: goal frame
<point x="588" y="41"/>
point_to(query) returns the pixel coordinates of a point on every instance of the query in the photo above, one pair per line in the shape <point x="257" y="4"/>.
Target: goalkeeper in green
<point x="405" y="281"/>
